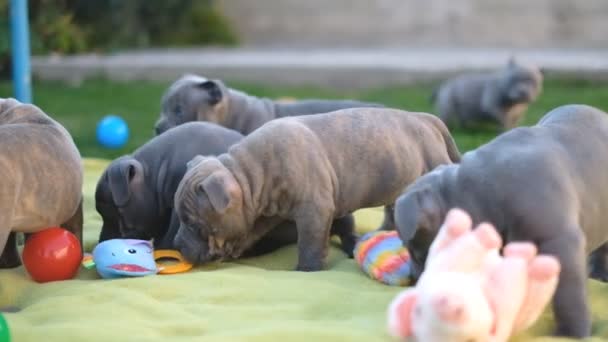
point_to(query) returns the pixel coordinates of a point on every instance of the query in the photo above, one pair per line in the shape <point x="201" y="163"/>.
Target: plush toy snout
<point x="449" y="309"/>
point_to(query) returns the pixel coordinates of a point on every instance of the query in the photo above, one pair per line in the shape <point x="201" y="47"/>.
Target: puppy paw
<point x="599" y="274"/>
<point x="309" y="267"/>
<point x="10" y="263"/>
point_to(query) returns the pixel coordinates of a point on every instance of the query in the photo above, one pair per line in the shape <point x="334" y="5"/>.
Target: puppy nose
<point x="449" y="309"/>
<point x="157" y="129"/>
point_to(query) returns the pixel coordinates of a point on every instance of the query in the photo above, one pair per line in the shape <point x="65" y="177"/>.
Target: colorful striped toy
<point x="382" y="256"/>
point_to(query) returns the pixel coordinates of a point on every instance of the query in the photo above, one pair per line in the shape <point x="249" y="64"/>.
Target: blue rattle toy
<point x="117" y="258"/>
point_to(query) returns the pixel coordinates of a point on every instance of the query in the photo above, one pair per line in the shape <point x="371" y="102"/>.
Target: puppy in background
<point x="195" y="98"/>
<point x="500" y="97"/>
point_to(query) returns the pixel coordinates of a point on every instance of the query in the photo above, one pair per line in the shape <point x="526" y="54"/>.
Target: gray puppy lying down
<point x="309" y="170"/>
<point x="546" y="184"/>
<point x="500" y="97"/>
<point x="41" y="184"/>
<point x="195" y="98"/>
<point x="134" y="195"/>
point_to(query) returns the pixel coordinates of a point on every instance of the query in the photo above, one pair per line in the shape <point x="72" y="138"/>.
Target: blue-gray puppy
<point x="195" y="98"/>
<point x="546" y="184"/>
<point x="134" y="195"/>
<point x="500" y="97"/>
<point x="310" y="170"/>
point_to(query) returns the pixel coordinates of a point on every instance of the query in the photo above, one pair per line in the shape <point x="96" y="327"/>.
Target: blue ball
<point x="112" y="131"/>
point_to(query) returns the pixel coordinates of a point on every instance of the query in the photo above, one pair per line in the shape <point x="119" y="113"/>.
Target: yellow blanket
<point x="258" y="299"/>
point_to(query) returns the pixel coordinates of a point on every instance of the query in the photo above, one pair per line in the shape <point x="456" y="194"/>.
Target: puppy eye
<point x="178" y="110"/>
<point x="132" y="251"/>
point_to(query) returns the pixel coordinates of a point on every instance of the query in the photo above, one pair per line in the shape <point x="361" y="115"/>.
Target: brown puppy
<point x="309" y="170"/>
<point x="41" y="183"/>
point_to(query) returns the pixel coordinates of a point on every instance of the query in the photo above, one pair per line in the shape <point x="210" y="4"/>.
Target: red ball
<point x="52" y="254"/>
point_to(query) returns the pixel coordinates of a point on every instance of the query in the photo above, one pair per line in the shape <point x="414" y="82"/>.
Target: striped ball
<point x="382" y="256"/>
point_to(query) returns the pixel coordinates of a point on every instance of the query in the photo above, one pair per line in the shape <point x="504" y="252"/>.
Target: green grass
<point x="80" y="108"/>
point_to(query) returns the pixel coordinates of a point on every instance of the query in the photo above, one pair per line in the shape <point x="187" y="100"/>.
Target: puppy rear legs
<point x="570" y="303"/>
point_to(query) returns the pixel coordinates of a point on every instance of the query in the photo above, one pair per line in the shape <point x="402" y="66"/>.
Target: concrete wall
<point x="402" y="23"/>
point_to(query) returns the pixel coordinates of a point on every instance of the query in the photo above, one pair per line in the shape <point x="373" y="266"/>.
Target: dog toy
<point x="112" y="131"/>
<point x="132" y="258"/>
<point x="52" y="254"/>
<point x="469" y="292"/>
<point x="381" y="255"/>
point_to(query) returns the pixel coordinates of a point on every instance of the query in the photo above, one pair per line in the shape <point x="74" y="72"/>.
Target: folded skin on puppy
<point x="41" y="183"/>
<point x="195" y="98"/>
<point x="310" y="170"/>
<point x="544" y="184"/>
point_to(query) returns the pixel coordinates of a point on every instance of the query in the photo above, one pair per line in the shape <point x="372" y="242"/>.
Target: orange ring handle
<point x="181" y="266"/>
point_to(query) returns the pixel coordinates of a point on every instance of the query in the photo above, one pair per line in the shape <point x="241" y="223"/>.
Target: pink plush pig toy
<point x="469" y="292"/>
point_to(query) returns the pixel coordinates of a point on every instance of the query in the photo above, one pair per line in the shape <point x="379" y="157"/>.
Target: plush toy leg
<point x="543" y="273"/>
<point x="457" y="223"/>
<point x="467" y="253"/>
<point x="400" y="314"/>
<point x="506" y="289"/>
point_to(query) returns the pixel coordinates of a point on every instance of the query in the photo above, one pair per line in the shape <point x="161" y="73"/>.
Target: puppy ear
<point x="120" y="176"/>
<point x="214" y="91"/>
<point x="220" y="190"/>
<point x="429" y="205"/>
<point x="416" y="209"/>
<point x="400" y="314"/>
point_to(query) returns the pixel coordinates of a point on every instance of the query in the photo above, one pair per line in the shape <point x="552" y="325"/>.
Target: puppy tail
<point x="450" y="144"/>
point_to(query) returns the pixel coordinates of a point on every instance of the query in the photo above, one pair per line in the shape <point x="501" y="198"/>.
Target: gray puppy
<point x="308" y="170"/>
<point x="134" y="195"/>
<point x="195" y="98"/>
<point x="500" y="97"/>
<point x="545" y="184"/>
<point x="41" y="184"/>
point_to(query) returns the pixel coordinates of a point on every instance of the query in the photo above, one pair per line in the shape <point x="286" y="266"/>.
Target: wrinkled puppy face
<point x="209" y="205"/>
<point x="192" y="98"/>
<point x="523" y="82"/>
<point x="126" y="203"/>
<point x="419" y="213"/>
<point x="452" y="307"/>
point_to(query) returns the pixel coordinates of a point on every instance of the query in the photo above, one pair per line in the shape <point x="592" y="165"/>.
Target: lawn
<point x="79" y="108"/>
<point x="252" y="299"/>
